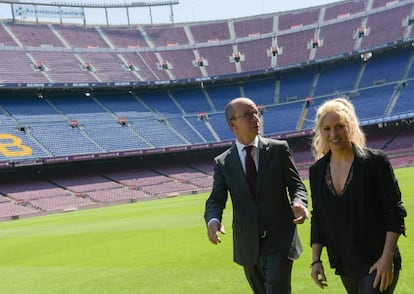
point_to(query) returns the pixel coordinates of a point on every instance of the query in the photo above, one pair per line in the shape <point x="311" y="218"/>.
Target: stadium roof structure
<point x="32" y="8"/>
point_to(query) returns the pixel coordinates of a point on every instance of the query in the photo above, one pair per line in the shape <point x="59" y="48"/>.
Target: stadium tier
<point x="54" y="54"/>
<point x="80" y="95"/>
<point x="51" y="124"/>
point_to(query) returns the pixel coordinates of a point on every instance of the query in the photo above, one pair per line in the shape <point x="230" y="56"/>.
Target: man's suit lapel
<point x="264" y="154"/>
<point x="239" y="175"/>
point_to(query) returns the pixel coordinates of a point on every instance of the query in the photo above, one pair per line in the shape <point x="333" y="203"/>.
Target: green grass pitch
<point x="158" y="246"/>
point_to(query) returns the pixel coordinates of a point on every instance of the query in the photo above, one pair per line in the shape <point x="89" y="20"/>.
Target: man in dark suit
<point x="265" y="213"/>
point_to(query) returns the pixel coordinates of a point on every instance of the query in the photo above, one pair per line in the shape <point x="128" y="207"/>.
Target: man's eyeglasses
<point x="248" y="115"/>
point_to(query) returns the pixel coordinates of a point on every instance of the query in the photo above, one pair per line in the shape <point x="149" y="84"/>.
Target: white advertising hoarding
<point x="48" y="11"/>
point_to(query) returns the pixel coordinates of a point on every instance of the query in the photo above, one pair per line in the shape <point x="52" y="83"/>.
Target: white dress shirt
<point x="242" y="153"/>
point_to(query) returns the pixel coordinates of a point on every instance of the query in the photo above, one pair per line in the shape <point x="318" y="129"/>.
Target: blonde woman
<point x="357" y="213"/>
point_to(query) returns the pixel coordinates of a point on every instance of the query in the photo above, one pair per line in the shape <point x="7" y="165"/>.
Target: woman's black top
<point x="339" y="212"/>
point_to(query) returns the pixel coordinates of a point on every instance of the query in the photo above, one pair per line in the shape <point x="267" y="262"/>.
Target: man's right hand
<point x="214" y="227"/>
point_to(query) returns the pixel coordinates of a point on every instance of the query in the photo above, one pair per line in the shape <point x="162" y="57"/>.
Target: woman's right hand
<point x="318" y="274"/>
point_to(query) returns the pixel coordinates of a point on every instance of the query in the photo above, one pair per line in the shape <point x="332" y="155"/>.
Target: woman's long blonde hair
<point x="347" y="114"/>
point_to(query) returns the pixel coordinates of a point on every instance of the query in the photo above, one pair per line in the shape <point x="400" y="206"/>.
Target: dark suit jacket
<point x="376" y="207"/>
<point x="270" y="209"/>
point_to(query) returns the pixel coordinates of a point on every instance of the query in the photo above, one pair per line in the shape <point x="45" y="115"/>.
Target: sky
<point x="185" y="11"/>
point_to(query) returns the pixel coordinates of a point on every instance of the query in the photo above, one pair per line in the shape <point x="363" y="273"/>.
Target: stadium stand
<point x="253" y="27"/>
<point x="343" y="10"/>
<point x="81" y="37"/>
<point x="334" y="42"/>
<point x="167" y="37"/>
<point x="255" y="57"/>
<point x="210" y="32"/>
<point x="101" y="115"/>
<point x="298" y="18"/>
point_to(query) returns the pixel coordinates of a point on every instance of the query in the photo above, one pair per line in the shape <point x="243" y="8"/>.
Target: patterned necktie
<point x="251" y="173"/>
